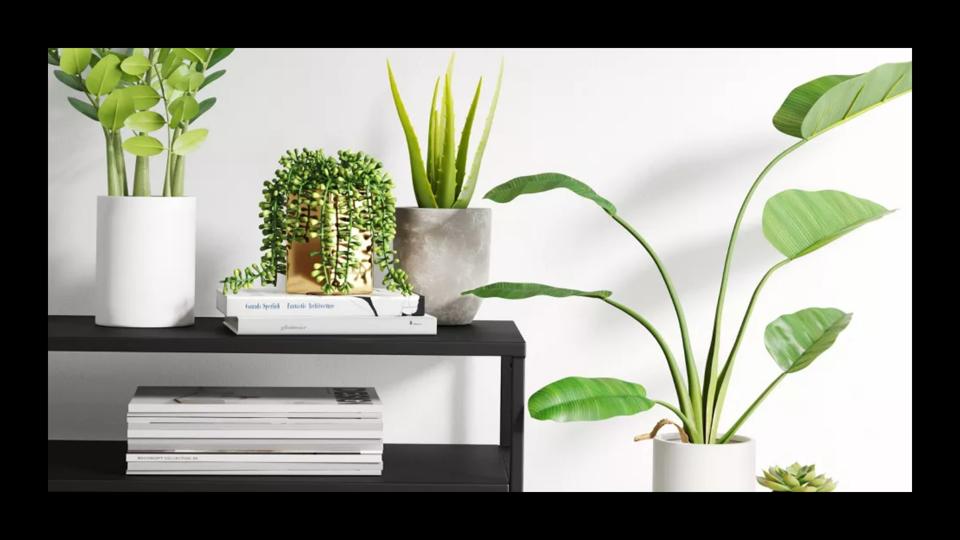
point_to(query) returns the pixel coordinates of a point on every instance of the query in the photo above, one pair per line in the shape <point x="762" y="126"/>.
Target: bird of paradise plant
<point x="795" y="222"/>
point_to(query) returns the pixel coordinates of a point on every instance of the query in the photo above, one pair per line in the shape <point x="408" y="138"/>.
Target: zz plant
<point x="443" y="182"/>
<point x="795" y="222"/>
<point x="122" y="86"/>
<point x="318" y="197"/>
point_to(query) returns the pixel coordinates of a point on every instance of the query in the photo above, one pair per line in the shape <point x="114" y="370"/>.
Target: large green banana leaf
<point x="797" y="339"/>
<point x="519" y="291"/>
<point x="537" y="183"/>
<point x="826" y="102"/>
<point x="578" y="399"/>
<point x="798" y="222"/>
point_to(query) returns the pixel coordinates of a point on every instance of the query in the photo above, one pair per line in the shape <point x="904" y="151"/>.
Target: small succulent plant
<point x="796" y="478"/>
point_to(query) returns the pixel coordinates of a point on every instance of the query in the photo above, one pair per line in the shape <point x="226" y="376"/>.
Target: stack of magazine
<point x="270" y="310"/>
<point x="255" y="431"/>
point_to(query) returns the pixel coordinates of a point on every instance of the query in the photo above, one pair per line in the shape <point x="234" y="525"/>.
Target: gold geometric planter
<point x="300" y="266"/>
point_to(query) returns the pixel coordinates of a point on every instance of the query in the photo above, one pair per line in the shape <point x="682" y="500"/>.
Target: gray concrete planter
<point x="445" y="252"/>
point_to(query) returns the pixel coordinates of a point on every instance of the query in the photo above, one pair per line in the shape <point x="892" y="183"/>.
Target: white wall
<point x="673" y="137"/>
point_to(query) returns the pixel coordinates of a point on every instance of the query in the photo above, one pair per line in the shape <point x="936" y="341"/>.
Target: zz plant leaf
<point x="74" y="61"/>
<point x="145" y="121"/>
<point x="135" y="65"/>
<point x="73" y="81"/>
<point x="104" y="76"/>
<point x="87" y="109"/>
<point x="183" y="109"/>
<point x="579" y="399"/>
<point x="143" y="145"/>
<point x="799" y="222"/>
<point x="189" y="141"/>
<point x="115" y="109"/>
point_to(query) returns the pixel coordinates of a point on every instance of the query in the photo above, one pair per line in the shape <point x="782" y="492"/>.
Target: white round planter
<point x="146" y="261"/>
<point x="681" y="466"/>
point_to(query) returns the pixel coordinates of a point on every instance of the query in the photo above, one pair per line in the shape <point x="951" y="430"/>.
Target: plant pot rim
<point x="673" y="439"/>
<point x="478" y="209"/>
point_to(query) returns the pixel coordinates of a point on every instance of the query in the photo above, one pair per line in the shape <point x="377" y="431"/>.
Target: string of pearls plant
<point x="314" y="196"/>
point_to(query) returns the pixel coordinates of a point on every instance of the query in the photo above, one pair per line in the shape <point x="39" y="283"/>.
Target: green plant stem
<point x="710" y="375"/>
<point x="743" y="418"/>
<point x="113" y="180"/>
<point x="691" y="367"/>
<point x="141" y="177"/>
<point x="725" y="374"/>
<point x="673" y="409"/>
<point x="120" y="162"/>
<point x="176" y="185"/>
<point x="678" y="382"/>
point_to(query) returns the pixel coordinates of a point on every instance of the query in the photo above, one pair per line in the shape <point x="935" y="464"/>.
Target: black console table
<point x="99" y="465"/>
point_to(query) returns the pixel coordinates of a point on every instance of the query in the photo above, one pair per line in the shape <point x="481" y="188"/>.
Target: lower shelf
<point x="100" y="465"/>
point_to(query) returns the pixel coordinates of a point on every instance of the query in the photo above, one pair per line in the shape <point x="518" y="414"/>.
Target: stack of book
<point x="270" y="310"/>
<point x="255" y="431"/>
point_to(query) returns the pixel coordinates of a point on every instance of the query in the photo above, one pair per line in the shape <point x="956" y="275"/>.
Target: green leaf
<point x="433" y="144"/>
<point x="525" y="185"/>
<point x="465" y="140"/>
<point x="135" y="65"/>
<point x="183" y="109"/>
<point x="799" y="222"/>
<point x="194" y="81"/>
<point x="205" y="106"/>
<point x="52" y="57"/>
<point x="143" y="96"/>
<point x="73" y="81"/>
<point x="115" y="109"/>
<point x="421" y="186"/>
<point x="104" y="76"/>
<point x="447" y="184"/>
<point x="189" y="141"/>
<point x="170" y="65"/>
<point x="73" y="61"/>
<point x="144" y="121"/>
<point x="466" y="192"/>
<point x="87" y="109"/>
<point x="192" y="55"/>
<point x="579" y="399"/>
<point x="796" y="340"/>
<point x="218" y="55"/>
<point x="180" y="78"/>
<point x="212" y="77"/>
<point x="519" y="291"/>
<point x="821" y="104"/>
<point x="143" y="145"/>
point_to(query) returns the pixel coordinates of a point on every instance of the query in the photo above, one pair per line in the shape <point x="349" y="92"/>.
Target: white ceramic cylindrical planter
<point x="681" y="466"/>
<point x="146" y="261"/>
<point x="445" y="252"/>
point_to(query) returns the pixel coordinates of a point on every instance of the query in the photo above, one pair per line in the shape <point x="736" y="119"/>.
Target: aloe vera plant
<point x="443" y="181"/>
<point x="122" y="86"/>
<point x="795" y="222"/>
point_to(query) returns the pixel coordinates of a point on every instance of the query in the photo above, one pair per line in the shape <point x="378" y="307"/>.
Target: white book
<point x="257" y="446"/>
<point x="262" y="473"/>
<point x="243" y="431"/>
<point x="200" y="421"/>
<point x="251" y="458"/>
<point x="275" y="302"/>
<point x="215" y="466"/>
<point x="323" y="326"/>
<point x="221" y="399"/>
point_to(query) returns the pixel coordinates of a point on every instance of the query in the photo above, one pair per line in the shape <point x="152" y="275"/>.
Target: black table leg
<point x="511" y="416"/>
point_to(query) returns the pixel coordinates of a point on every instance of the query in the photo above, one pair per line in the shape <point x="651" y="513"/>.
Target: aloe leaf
<point x="421" y="186"/>
<point x="826" y="102"/>
<point x="465" y="140"/>
<point x="519" y="291"/>
<point x="579" y="399"/>
<point x="795" y="340"/>
<point x="799" y="222"/>
<point x="466" y="192"/>
<point x="433" y="147"/>
<point x="537" y="183"/>
<point x="448" y="161"/>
